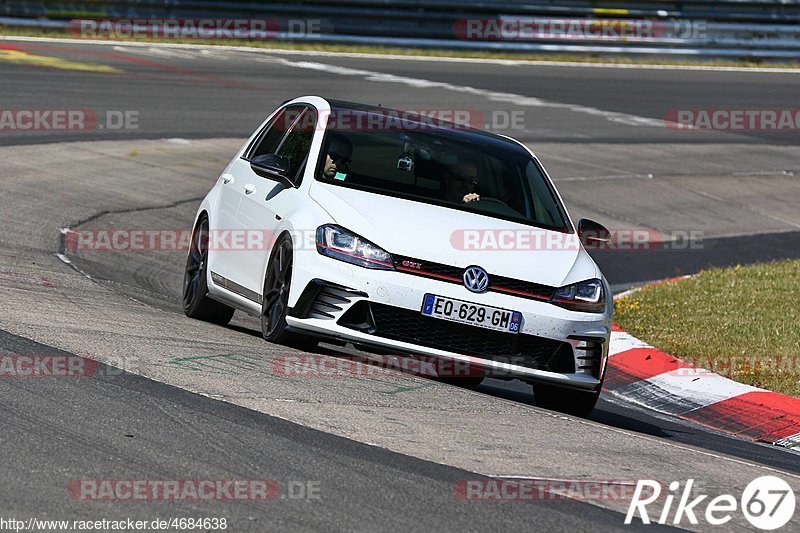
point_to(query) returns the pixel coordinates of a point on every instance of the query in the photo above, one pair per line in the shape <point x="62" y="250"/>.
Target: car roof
<point x="434" y="123"/>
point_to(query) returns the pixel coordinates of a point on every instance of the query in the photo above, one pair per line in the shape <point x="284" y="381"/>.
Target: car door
<point x="224" y="261"/>
<point x="259" y="212"/>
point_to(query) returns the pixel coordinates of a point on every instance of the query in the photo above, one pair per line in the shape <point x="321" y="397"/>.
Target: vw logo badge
<point x="476" y="279"/>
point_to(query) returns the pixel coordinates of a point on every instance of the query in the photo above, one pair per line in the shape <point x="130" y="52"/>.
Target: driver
<point x="460" y="181"/>
<point x="337" y="158"/>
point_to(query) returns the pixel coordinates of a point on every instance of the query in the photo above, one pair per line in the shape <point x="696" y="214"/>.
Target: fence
<point x="765" y="29"/>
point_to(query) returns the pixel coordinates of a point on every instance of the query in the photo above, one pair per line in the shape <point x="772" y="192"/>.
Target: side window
<point x="297" y="143"/>
<point x="275" y="131"/>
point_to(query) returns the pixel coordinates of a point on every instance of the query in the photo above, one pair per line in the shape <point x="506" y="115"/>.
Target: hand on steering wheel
<point x="471" y="197"/>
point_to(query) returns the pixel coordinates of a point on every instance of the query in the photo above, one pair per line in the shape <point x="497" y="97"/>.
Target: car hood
<point x="449" y="236"/>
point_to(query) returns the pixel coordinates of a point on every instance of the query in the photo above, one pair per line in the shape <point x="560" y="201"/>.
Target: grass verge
<point x="12" y="31"/>
<point x="742" y="322"/>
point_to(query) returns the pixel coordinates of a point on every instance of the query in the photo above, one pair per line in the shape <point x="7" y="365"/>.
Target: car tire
<point x="569" y="401"/>
<point x="196" y="303"/>
<point x="275" y="302"/>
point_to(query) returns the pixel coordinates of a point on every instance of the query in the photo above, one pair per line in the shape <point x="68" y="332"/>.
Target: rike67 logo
<point x="767" y="503"/>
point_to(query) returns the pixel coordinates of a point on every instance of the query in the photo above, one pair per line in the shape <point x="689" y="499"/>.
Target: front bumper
<point x="554" y="345"/>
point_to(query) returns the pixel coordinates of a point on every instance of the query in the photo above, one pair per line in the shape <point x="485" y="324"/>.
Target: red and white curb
<point x="648" y="377"/>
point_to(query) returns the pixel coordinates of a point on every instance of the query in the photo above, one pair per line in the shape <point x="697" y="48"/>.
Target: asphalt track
<point x="592" y="127"/>
<point x="121" y="426"/>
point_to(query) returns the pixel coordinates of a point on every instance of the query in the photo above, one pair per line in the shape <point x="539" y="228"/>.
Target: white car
<point x="402" y="234"/>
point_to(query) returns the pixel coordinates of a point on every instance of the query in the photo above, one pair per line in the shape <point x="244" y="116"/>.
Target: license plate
<point x="483" y="316"/>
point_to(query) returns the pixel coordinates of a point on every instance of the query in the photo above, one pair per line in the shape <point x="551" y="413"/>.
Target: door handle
<point x="249" y="188"/>
<point x="227" y="178"/>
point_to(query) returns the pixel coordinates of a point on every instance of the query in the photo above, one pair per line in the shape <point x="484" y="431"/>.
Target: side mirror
<point x="593" y="234"/>
<point x="273" y="167"/>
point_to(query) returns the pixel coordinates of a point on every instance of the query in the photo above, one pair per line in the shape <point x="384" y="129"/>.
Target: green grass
<point x="344" y="48"/>
<point x="741" y="322"/>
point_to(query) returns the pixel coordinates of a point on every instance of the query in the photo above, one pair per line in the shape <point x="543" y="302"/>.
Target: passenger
<point x="460" y="181"/>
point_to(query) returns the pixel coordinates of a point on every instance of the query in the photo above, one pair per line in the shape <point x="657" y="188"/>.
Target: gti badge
<point x="476" y="279"/>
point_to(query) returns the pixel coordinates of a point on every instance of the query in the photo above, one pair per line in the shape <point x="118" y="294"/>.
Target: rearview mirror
<point x="273" y="167"/>
<point x="593" y="234"/>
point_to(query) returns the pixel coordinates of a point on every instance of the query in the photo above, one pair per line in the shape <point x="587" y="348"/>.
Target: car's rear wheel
<point x="569" y="401"/>
<point x="275" y="303"/>
<point x="196" y="303"/>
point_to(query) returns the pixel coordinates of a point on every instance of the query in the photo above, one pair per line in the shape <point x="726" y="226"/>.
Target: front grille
<point x="518" y="287"/>
<point x="411" y="326"/>
<point x="451" y="274"/>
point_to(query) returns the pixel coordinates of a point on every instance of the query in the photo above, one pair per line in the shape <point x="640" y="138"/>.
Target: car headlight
<point x="587" y="296"/>
<point x="338" y="243"/>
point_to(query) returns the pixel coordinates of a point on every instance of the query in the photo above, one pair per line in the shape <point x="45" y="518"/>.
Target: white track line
<point x="494" y="96"/>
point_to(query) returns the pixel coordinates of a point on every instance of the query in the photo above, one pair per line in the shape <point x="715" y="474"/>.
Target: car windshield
<point x="448" y="166"/>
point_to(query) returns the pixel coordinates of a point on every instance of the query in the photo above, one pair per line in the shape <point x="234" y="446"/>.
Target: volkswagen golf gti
<point x="402" y="234"/>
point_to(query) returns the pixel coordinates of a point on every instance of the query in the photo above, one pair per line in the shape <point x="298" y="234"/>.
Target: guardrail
<point x="765" y="29"/>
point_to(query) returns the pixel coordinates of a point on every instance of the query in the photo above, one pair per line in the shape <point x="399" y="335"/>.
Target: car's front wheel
<point x="196" y="303"/>
<point x="275" y="302"/>
<point x="569" y="401"/>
